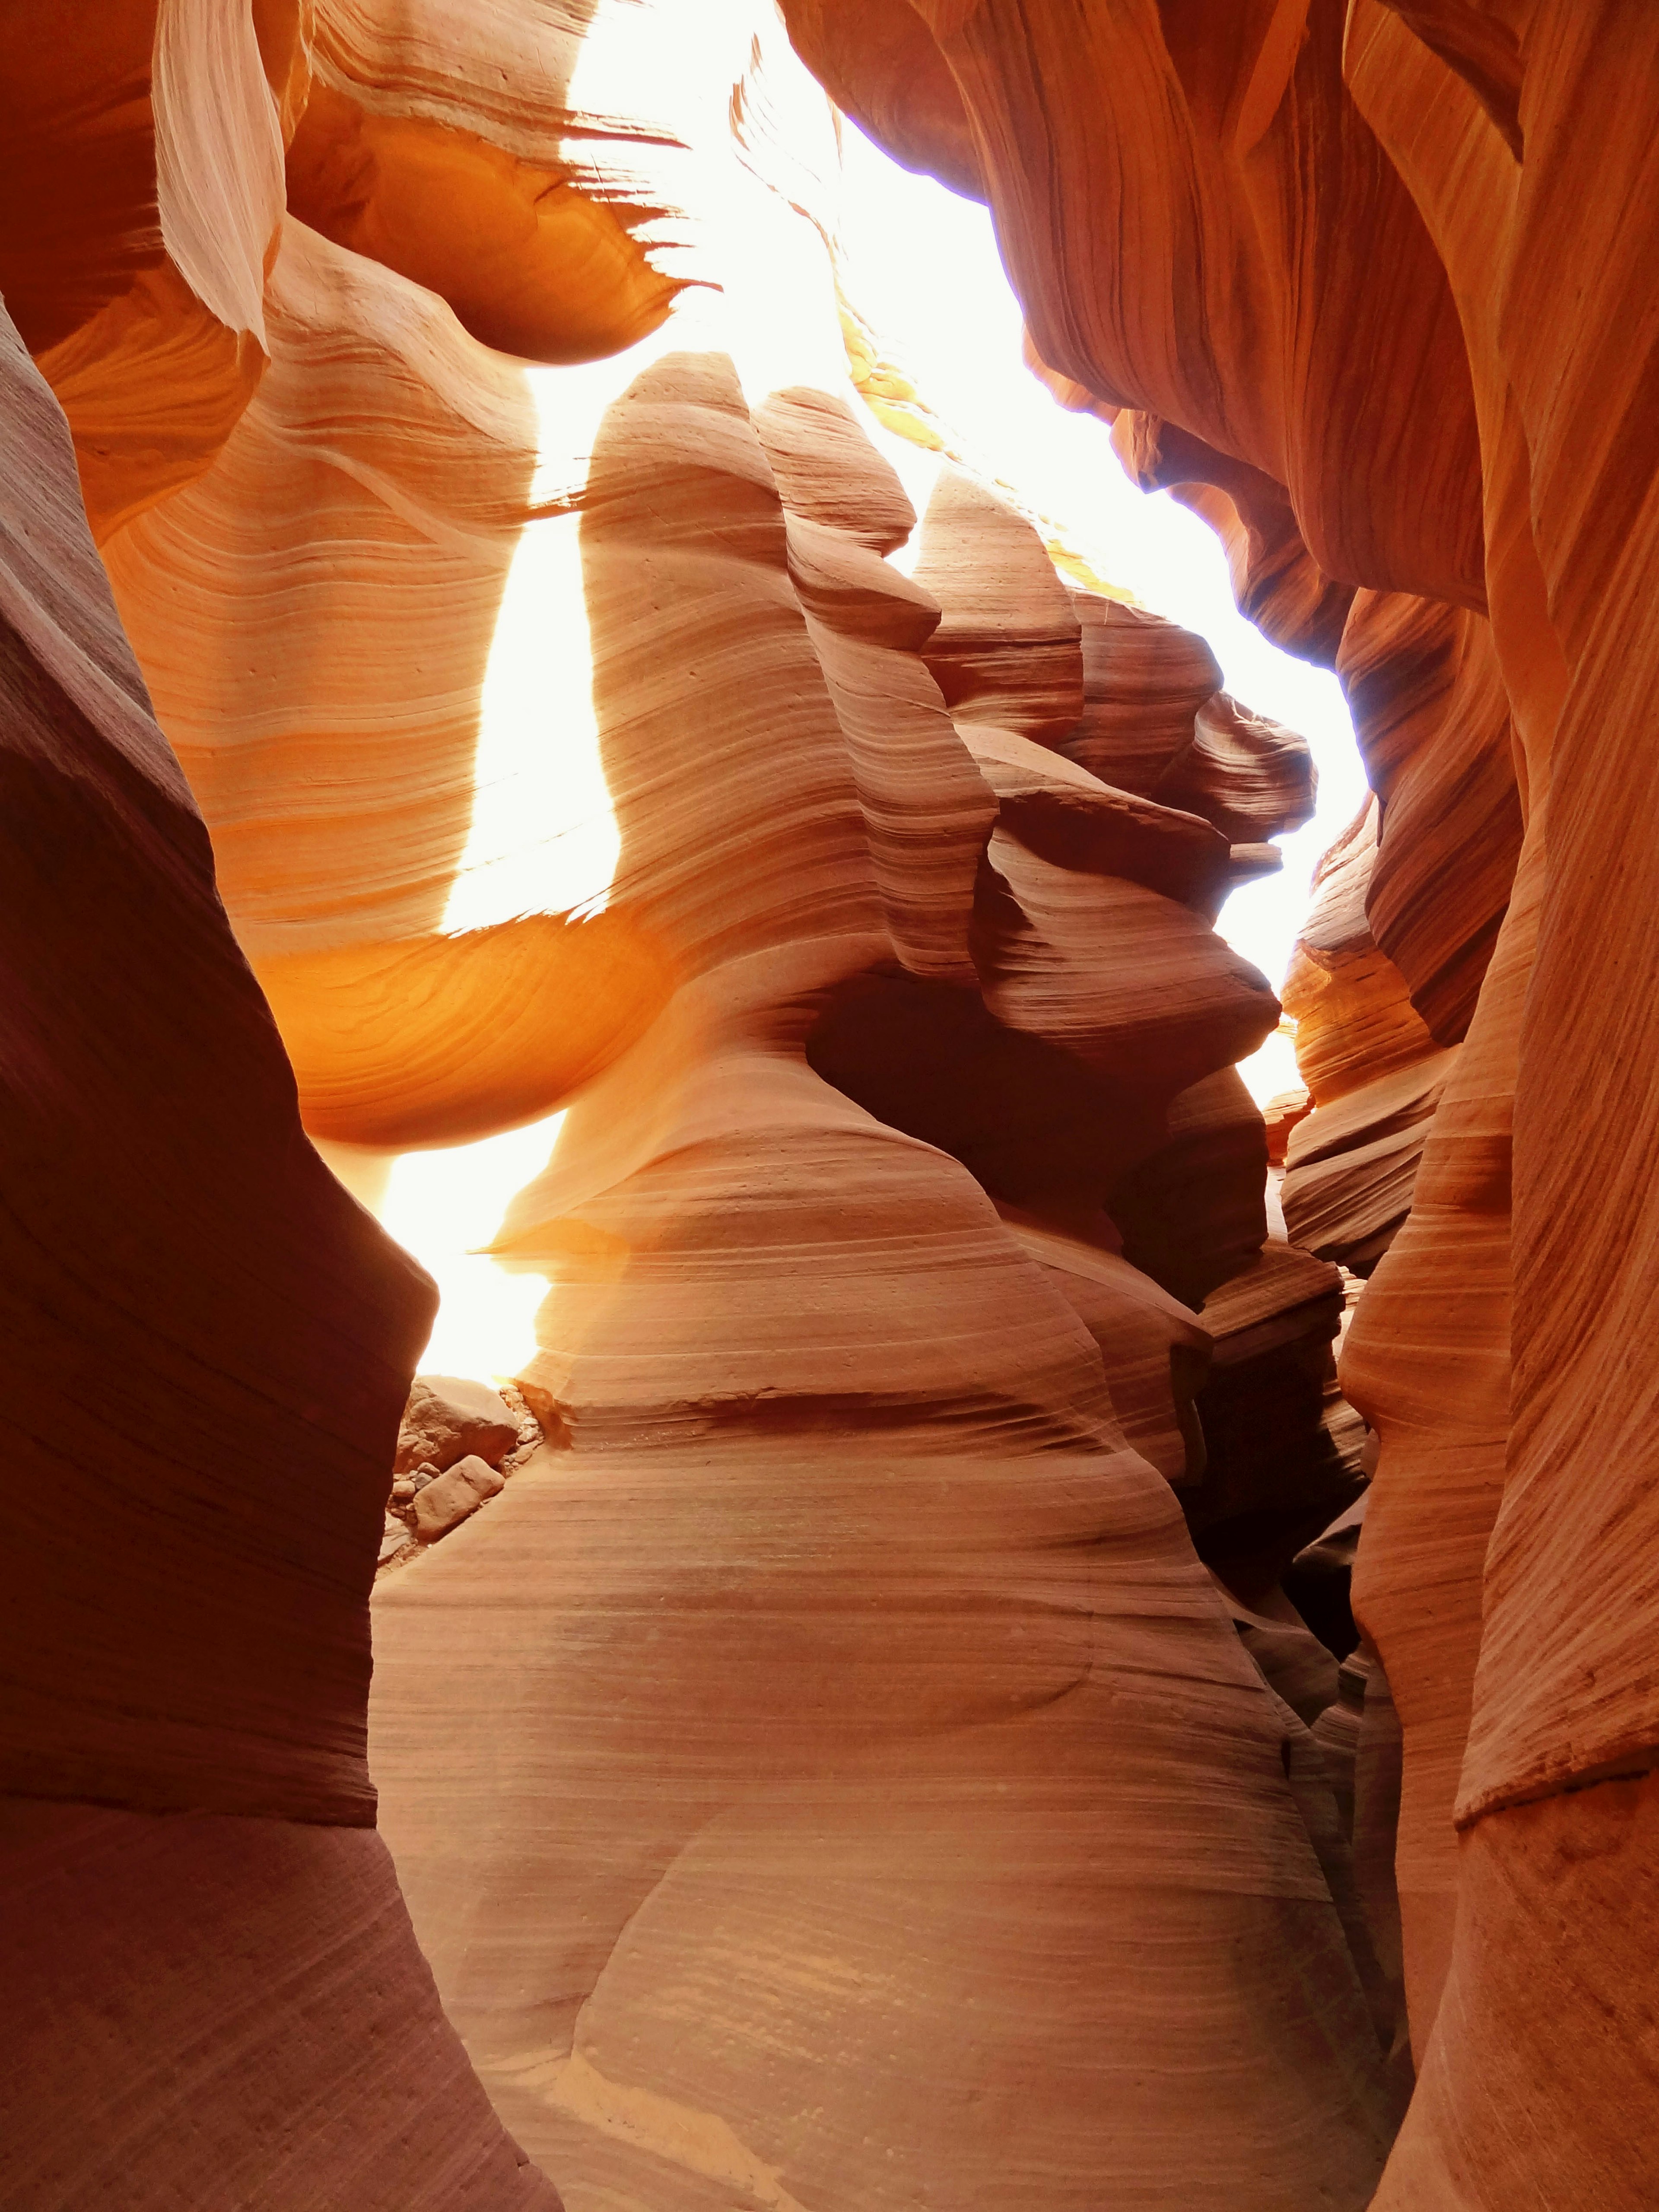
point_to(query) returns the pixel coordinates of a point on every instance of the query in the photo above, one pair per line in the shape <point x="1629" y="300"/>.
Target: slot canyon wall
<point x="487" y="633"/>
<point x="1373" y="287"/>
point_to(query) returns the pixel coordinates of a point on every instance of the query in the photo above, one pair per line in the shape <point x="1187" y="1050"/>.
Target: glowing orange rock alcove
<point x="933" y="1687"/>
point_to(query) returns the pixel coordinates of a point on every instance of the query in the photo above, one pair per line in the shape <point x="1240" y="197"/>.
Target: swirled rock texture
<point x="825" y="1774"/>
<point x="1374" y="1073"/>
<point x="205" y="1956"/>
<point x="885" y="1743"/>
<point x="1363" y="282"/>
<point x="828" y="1775"/>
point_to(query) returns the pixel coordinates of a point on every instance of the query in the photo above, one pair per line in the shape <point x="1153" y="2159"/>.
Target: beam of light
<point x="441" y="1205"/>
<point x="924" y="267"/>
<point x="543" y="837"/>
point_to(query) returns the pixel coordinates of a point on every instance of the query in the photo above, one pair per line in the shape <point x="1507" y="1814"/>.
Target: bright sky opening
<point x="922" y="266"/>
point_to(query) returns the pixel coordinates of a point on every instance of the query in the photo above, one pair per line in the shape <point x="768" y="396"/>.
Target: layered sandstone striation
<point x="1363" y="282"/>
<point x="862" y="1695"/>
<point x="1373" y="1072"/>
<point x="843" y="1735"/>
<point x="526" y="636"/>
<point x="205" y="1959"/>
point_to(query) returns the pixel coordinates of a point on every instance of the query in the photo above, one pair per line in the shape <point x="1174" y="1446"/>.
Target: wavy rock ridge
<point x="1360" y="283"/>
<point x="863" y="1758"/>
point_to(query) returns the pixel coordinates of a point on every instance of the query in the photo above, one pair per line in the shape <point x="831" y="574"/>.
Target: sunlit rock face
<point x="1362" y="283"/>
<point x="826" y="1775"/>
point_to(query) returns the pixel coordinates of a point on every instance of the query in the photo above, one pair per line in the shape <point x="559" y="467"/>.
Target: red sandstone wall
<point x="205" y="1960"/>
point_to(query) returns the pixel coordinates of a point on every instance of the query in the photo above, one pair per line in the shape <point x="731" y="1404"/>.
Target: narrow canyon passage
<point x="829" y="1101"/>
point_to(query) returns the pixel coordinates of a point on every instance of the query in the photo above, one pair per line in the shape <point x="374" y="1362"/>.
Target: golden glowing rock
<point x="827" y="1776"/>
<point x="531" y="263"/>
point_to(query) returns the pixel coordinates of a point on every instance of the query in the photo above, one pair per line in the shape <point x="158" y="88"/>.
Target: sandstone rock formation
<point x="205" y="1960"/>
<point x="1373" y="1072"/>
<point x="447" y="1417"/>
<point x="459" y="1444"/>
<point x="1364" y="281"/>
<point x="867" y="1757"/>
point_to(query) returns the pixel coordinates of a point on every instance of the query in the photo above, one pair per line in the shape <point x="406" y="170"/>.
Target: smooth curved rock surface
<point x="198" y="2005"/>
<point x="565" y="734"/>
<point x="710" y="1774"/>
<point x="829" y="1777"/>
<point x="1385" y="258"/>
<point x="1373" y="1072"/>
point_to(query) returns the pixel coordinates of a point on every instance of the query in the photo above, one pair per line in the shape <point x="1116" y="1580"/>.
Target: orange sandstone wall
<point x="827" y="1776"/>
<point x="1369" y="284"/>
<point x="519" y="614"/>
